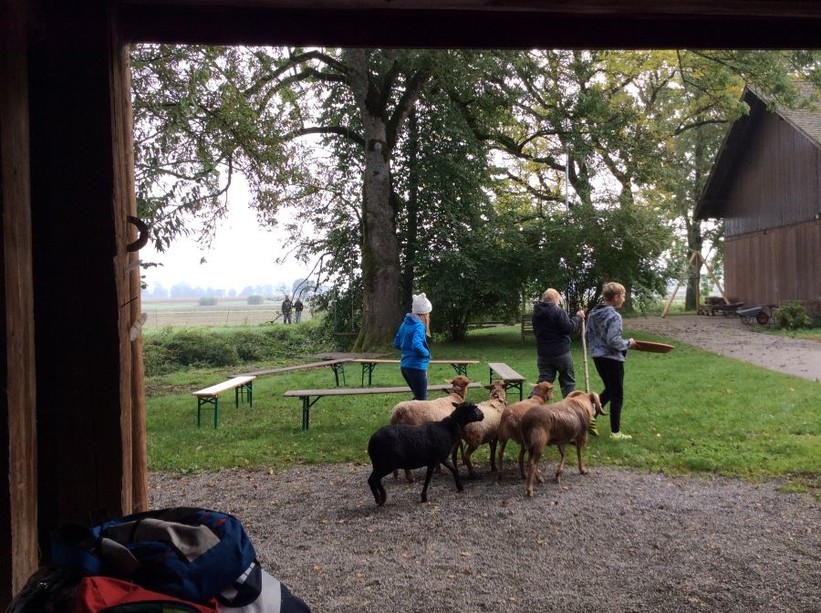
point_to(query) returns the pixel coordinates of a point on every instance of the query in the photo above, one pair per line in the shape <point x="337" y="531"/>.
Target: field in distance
<point x="187" y="312"/>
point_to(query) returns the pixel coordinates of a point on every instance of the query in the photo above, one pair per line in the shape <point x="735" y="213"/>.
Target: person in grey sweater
<point x="609" y="349"/>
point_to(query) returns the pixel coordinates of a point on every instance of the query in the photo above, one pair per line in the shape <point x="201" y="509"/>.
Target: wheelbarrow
<point x="760" y="314"/>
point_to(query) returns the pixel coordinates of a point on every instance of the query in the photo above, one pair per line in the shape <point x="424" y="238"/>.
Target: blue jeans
<point x="417" y="381"/>
<point x="561" y="364"/>
<point x="298" y="316"/>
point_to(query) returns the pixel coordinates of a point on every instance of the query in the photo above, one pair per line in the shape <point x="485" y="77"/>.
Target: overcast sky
<point x="241" y="254"/>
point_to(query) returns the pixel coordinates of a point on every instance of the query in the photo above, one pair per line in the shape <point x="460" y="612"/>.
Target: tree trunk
<point x="412" y="208"/>
<point x="694" y="238"/>
<point x="381" y="314"/>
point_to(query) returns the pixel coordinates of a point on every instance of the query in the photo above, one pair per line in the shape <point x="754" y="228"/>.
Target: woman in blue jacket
<point x="412" y="341"/>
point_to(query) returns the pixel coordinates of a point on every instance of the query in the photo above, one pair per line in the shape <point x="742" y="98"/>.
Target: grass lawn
<point x="689" y="411"/>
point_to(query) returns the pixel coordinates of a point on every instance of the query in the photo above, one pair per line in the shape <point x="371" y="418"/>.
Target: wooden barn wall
<point x="777" y="182"/>
<point x="18" y="492"/>
<point x="82" y="289"/>
<point x="775" y="265"/>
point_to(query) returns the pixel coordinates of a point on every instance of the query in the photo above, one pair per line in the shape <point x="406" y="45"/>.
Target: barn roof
<point x="805" y="120"/>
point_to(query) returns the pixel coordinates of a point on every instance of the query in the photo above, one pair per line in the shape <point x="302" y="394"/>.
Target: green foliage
<point x="208" y="301"/>
<point x="792" y="316"/>
<point x="689" y="411"/>
<point x="256" y="299"/>
<point x="174" y="349"/>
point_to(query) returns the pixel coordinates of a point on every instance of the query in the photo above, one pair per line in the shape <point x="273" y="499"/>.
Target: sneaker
<point x="620" y="436"/>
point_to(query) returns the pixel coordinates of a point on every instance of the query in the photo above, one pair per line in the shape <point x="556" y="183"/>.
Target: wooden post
<point x="18" y="420"/>
<point x="675" y="291"/>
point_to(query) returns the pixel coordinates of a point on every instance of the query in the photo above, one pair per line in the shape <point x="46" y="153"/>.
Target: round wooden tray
<point x="653" y="347"/>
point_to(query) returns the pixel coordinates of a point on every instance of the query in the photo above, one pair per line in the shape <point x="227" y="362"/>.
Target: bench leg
<point x="339" y="368"/>
<point x="243" y="391"/>
<point x="306" y="411"/>
<point x="369" y="369"/>
<point x="461" y="369"/>
<point x="204" y="401"/>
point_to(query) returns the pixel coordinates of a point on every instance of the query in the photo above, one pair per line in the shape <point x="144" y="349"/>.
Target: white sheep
<point x="510" y="426"/>
<point x="485" y="431"/>
<point x="418" y="412"/>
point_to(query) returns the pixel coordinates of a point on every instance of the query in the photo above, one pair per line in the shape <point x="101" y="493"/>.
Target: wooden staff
<point x="584" y="348"/>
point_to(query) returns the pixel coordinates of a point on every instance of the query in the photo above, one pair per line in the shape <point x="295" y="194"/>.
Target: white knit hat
<point x="421" y="305"/>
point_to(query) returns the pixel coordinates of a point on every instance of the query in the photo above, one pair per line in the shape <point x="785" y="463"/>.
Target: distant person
<point x="298" y="306"/>
<point x="552" y="328"/>
<point x="609" y="351"/>
<point x="286" y="310"/>
<point x="412" y="342"/>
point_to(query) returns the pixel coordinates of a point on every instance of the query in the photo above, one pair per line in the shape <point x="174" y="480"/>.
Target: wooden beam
<point x="18" y="462"/>
<point x="82" y="290"/>
<point x="759" y="24"/>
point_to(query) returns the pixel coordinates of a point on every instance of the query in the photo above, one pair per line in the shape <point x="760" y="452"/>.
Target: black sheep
<point x="408" y="447"/>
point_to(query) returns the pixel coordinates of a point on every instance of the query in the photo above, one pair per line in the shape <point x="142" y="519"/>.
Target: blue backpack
<point x="190" y="553"/>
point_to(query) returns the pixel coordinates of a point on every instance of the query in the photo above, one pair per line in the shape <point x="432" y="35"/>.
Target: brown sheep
<point x="485" y="431"/>
<point x="511" y="420"/>
<point x="418" y="412"/>
<point x="565" y="422"/>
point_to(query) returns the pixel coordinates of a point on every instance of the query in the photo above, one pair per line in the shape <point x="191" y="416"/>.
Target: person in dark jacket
<point x="552" y="328"/>
<point x="412" y="341"/>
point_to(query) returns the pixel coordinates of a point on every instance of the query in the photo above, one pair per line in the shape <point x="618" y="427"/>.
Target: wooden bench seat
<point x="338" y="366"/>
<point x="368" y="366"/>
<point x="508" y="375"/>
<point x="242" y="386"/>
<point x="307" y="395"/>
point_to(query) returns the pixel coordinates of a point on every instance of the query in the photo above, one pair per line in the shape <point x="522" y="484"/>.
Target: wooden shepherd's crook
<point x="584" y="348"/>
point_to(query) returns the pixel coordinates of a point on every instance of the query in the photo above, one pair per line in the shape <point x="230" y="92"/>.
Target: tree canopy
<point x="478" y="177"/>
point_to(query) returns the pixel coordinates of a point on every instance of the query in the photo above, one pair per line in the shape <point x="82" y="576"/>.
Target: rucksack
<point x="108" y="595"/>
<point x="189" y="553"/>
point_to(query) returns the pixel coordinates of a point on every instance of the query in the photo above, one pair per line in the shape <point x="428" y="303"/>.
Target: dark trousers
<point x="561" y="364"/>
<point x="417" y="381"/>
<point x="612" y="374"/>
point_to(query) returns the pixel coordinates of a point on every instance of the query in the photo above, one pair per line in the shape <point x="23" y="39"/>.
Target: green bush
<point x="208" y="301"/>
<point x="256" y="299"/>
<point x="173" y="349"/>
<point x="792" y="316"/>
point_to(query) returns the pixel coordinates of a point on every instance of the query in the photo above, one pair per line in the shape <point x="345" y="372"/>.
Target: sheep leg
<point x="466" y="460"/>
<point x="492" y="455"/>
<point x="539" y="475"/>
<point x="535" y="456"/>
<point x="379" y="493"/>
<point x="501" y="460"/>
<point x="428" y="475"/>
<point x="582" y="469"/>
<point x="560" y="468"/>
<point x="455" y="470"/>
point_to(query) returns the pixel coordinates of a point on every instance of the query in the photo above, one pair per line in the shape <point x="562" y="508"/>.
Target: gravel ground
<point x="613" y="540"/>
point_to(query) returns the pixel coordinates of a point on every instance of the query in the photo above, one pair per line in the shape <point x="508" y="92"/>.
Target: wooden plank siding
<point x="19" y="551"/>
<point x="777" y="181"/>
<point x="775" y="265"/>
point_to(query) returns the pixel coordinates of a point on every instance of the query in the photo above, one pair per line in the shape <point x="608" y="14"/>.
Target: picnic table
<point x="337" y="365"/>
<point x="370" y="364"/>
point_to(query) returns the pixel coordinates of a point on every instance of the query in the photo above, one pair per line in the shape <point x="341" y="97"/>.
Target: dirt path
<point x="729" y="336"/>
